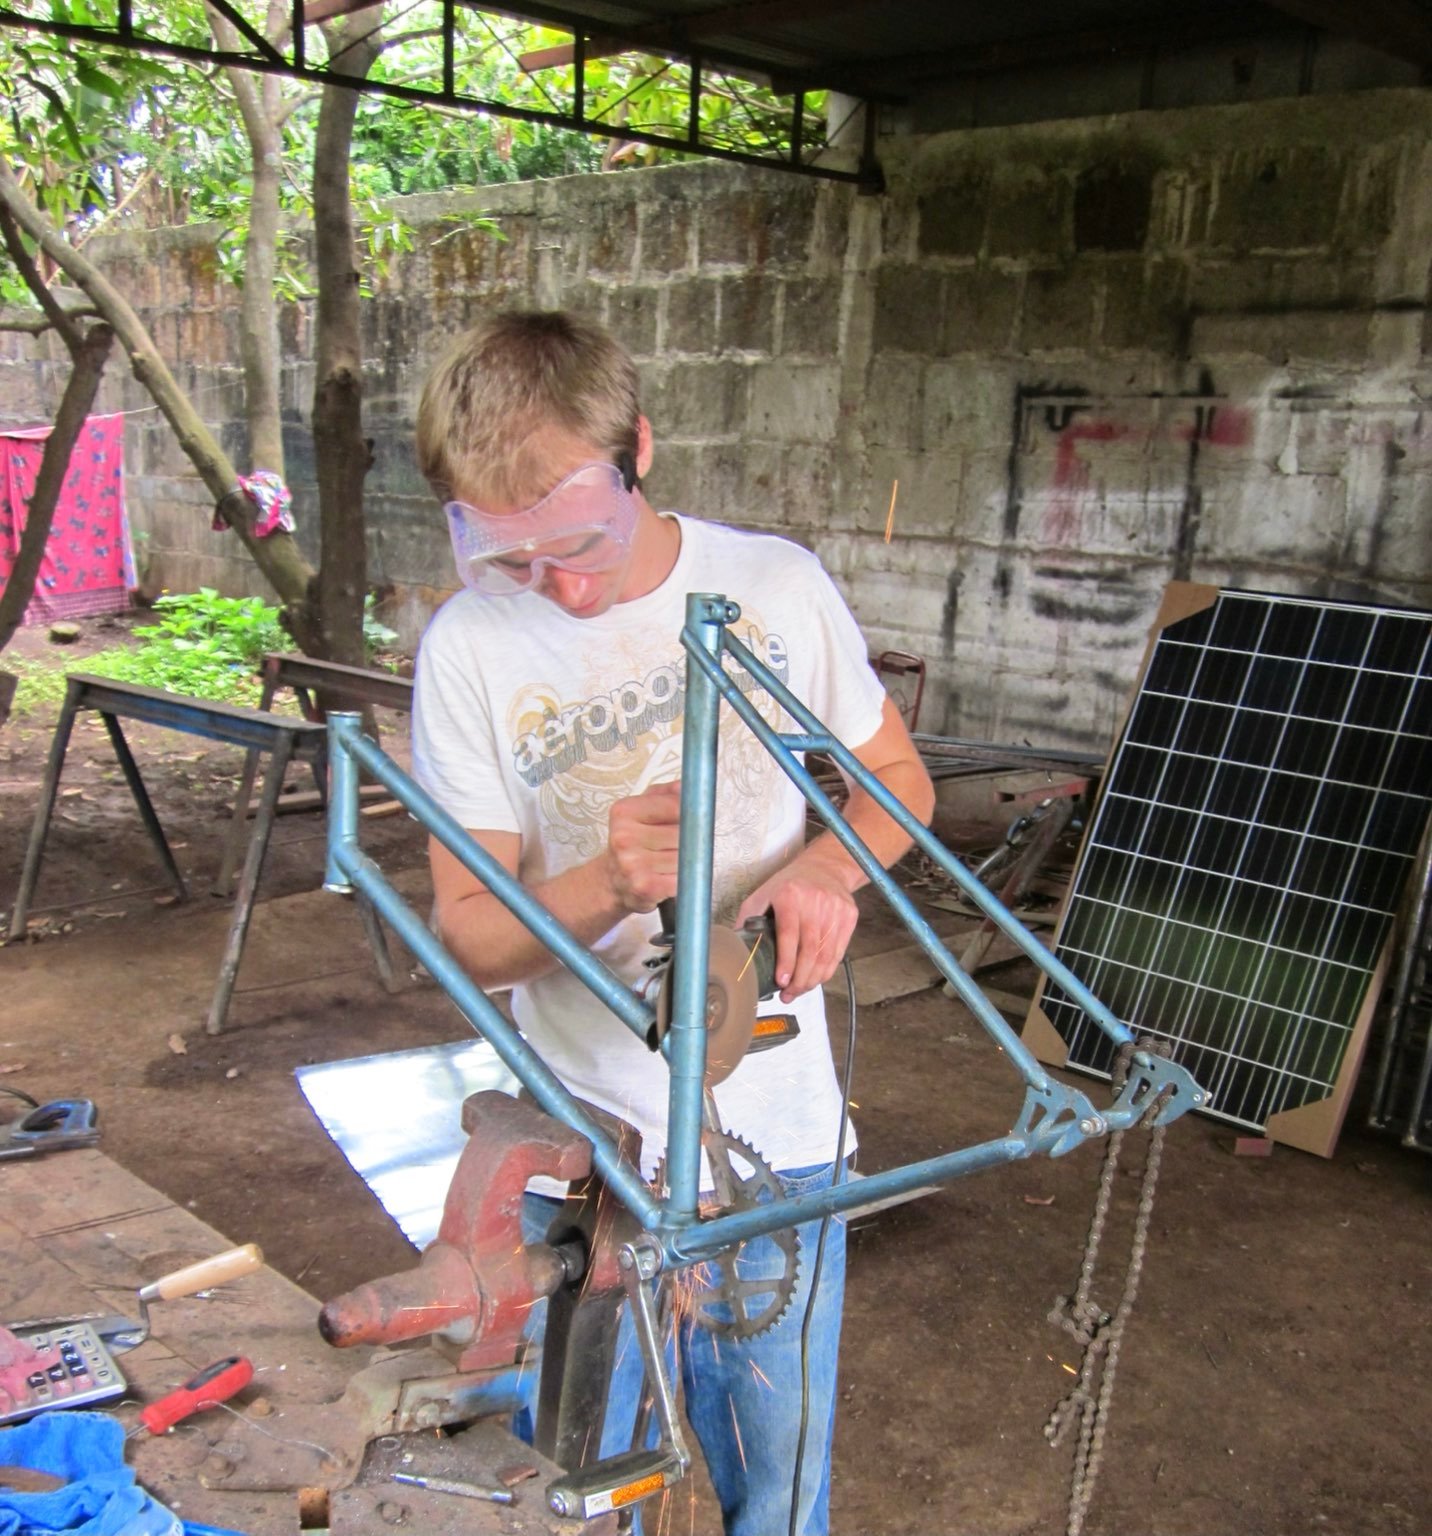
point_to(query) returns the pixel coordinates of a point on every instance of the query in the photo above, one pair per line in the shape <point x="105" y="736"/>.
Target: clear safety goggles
<point x="583" y="524"/>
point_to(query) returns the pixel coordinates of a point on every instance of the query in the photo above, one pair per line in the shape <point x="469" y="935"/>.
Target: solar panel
<point x="1258" y="822"/>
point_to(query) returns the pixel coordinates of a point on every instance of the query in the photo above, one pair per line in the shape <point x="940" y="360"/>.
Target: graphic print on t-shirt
<point x="581" y="754"/>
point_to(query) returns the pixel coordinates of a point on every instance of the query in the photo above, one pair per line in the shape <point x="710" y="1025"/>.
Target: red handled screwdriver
<point x="214" y="1384"/>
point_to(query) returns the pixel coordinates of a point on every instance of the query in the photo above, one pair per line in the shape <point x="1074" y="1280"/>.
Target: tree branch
<point x="54" y="312"/>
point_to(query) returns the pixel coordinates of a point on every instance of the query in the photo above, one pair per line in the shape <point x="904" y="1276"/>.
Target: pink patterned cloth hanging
<point x="272" y="499"/>
<point x="88" y="564"/>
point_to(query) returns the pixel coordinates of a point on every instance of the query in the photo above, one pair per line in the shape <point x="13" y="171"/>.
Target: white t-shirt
<point x="528" y="720"/>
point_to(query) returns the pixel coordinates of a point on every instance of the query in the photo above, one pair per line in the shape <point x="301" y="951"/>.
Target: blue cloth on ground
<point x="100" y="1496"/>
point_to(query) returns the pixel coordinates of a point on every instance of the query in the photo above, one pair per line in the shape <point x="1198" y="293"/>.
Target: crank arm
<point x="619" y="1481"/>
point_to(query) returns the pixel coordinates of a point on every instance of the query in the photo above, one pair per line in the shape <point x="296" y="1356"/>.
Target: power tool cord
<point x="839" y="1178"/>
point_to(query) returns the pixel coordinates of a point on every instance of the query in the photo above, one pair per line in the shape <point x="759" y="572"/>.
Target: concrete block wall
<point x="1095" y="355"/>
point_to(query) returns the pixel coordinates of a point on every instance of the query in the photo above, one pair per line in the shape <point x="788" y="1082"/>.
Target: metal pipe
<point x="706" y="1238"/>
<point x="706" y="618"/>
<point x="343" y="729"/>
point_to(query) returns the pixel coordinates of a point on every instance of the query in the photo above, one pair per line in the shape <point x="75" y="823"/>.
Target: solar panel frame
<point x="1257" y="824"/>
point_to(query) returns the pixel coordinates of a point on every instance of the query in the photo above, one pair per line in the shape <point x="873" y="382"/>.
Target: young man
<point x="548" y="722"/>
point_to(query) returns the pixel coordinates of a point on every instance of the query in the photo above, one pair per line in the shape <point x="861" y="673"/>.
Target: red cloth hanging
<point x="88" y="566"/>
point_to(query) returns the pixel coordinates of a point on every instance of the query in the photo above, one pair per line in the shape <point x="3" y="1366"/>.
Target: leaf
<point x="176" y="1044"/>
<point x="96" y="80"/>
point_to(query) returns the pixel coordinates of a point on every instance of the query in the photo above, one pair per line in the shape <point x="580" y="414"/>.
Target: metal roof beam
<point x="792" y="158"/>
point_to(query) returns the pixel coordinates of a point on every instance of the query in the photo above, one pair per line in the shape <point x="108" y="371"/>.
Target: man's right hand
<point x="641" y="856"/>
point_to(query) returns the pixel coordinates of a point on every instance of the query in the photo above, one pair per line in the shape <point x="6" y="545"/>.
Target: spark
<point x="890" y="515"/>
<point x="735" y="1424"/>
<point x="759" y="1374"/>
<point x="1068" y="1368"/>
<point x="750" y="957"/>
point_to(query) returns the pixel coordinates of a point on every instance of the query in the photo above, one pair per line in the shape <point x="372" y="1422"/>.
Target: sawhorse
<point x="283" y="737"/>
<point x="351" y="688"/>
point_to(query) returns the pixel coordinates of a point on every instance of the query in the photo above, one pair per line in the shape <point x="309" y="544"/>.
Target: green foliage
<point x="376" y="634"/>
<point x="200" y="631"/>
<point x="203" y="644"/>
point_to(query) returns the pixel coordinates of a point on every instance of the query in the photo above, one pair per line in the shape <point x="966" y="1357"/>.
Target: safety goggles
<point x="583" y="524"/>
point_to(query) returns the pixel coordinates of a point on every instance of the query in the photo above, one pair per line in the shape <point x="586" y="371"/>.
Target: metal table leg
<point x="249" y="883"/>
<point x="34" y="851"/>
<point x="142" y="800"/>
<point x="224" y="881"/>
<point x="378" y="943"/>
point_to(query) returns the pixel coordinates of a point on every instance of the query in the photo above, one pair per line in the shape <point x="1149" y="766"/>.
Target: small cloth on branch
<point x="271" y="497"/>
<point x="100" y="1496"/>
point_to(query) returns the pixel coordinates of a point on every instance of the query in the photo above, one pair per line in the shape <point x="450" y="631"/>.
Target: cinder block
<point x="667" y="237"/>
<point x="612" y="242"/>
<point x="810" y="316"/>
<point x="795" y="402"/>
<point x="1305" y="336"/>
<point x="808" y="487"/>
<point x="784" y="219"/>
<point x="979" y="310"/>
<point x="952" y="217"/>
<point x="1029" y="215"/>
<point x="1233" y="287"/>
<point x="631" y="314"/>
<point x="724" y="232"/>
<point x="673" y="484"/>
<point x="746" y="311"/>
<point x="909" y="303"/>
<point x="690" y="315"/>
<point x="834" y="203"/>
<point x="1059" y="309"/>
<point x="892" y="409"/>
<point x="968" y="406"/>
<point x="1282" y="199"/>
<point x="1145" y="304"/>
<point x="704" y="399"/>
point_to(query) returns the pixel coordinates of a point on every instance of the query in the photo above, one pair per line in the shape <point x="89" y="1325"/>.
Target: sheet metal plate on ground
<point x="397" y="1118"/>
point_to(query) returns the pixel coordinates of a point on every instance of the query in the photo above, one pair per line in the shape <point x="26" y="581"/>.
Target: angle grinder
<point x="740" y="975"/>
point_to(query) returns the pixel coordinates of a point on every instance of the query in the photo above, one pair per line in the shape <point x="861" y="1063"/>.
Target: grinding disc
<point x="732" y="992"/>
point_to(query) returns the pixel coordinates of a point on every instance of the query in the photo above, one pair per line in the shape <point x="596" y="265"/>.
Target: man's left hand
<point x="815" y="915"/>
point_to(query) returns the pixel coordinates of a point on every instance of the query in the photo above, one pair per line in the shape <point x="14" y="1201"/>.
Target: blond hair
<point x="505" y="384"/>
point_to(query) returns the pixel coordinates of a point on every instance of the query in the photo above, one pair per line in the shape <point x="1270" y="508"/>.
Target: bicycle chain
<point x="1102" y="1333"/>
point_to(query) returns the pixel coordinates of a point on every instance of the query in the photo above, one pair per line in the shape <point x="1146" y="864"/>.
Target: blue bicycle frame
<point x="1053" y="1118"/>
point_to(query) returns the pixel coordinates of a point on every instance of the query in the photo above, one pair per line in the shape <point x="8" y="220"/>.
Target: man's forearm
<point x="885" y="838"/>
<point x="497" y="950"/>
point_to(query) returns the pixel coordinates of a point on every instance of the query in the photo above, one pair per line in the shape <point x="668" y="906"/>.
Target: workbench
<point x="282" y="737"/>
<point x="78" y="1234"/>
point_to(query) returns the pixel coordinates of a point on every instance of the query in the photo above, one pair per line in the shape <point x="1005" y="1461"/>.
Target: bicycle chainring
<point x="734" y="1294"/>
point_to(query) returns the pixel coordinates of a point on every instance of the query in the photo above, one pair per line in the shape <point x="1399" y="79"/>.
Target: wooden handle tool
<point x="222" y="1268"/>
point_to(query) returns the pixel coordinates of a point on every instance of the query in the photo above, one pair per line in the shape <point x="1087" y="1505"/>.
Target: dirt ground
<point x="1276" y="1376"/>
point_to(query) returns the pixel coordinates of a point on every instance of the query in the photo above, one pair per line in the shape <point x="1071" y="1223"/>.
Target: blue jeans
<point x="743" y="1396"/>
